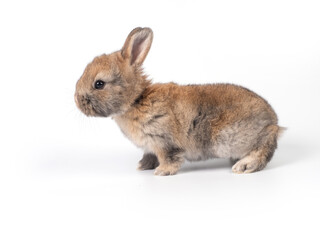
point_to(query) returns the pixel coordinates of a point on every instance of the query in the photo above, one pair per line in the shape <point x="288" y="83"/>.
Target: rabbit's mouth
<point x="92" y="107"/>
<point x="101" y="111"/>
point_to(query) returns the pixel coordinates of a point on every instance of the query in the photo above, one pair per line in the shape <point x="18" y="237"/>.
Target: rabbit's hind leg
<point x="262" y="152"/>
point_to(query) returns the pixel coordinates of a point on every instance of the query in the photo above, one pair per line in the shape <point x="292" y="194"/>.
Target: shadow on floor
<point x="217" y="163"/>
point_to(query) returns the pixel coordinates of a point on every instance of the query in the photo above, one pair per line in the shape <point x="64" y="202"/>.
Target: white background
<point x="65" y="176"/>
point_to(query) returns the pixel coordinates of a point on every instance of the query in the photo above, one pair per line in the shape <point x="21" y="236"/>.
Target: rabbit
<point x="174" y="123"/>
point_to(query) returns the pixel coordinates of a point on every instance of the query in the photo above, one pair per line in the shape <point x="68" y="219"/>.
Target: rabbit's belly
<point x="233" y="144"/>
<point x="197" y="155"/>
<point x="217" y="151"/>
<point x="230" y="151"/>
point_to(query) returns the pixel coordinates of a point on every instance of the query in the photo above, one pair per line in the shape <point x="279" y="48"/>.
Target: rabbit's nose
<point x="80" y="100"/>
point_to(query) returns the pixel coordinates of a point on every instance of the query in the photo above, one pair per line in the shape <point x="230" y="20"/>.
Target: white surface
<point x="65" y="176"/>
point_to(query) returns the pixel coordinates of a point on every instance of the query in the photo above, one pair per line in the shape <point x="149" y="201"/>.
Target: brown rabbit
<point x="171" y="122"/>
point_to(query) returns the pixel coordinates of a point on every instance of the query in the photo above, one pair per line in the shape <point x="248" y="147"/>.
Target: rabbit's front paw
<point x="166" y="170"/>
<point x="149" y="161"/>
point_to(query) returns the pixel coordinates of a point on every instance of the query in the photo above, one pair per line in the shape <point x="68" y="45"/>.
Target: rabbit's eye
<point x="99" y="84"/>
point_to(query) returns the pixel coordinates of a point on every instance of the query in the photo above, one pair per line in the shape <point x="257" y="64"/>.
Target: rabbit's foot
<point x="249" y="164"/>
<point x="165" y="170"/>
<point x="148" y="161"/>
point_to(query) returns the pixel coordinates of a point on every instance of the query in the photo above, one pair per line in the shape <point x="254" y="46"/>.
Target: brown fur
<point x="171" y="122"/>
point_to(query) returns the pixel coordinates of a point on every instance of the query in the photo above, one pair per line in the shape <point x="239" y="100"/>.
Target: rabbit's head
<point x="111" y="83"/>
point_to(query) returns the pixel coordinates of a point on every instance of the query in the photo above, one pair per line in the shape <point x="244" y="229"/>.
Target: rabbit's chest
<point x="136" y="133"/>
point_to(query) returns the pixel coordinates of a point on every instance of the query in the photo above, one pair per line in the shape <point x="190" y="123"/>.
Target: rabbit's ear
<point x="137" y="45"/>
